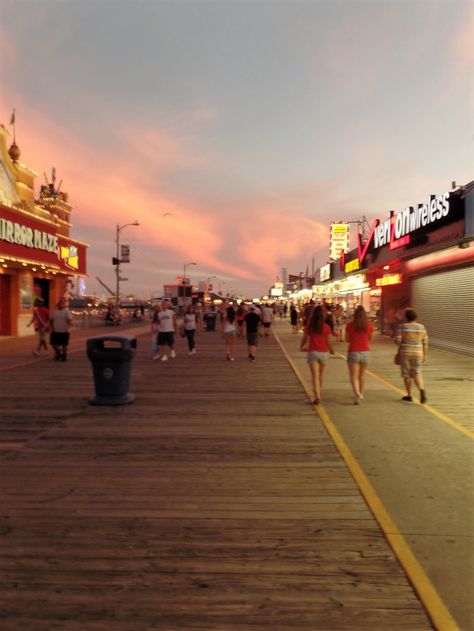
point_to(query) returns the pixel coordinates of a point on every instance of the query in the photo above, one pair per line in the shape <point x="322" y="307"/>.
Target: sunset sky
<point x="253" y="123"/>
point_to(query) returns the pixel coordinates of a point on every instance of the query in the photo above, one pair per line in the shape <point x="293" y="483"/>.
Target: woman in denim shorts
<point x="316" y="340"/>
<point x="358" y="334"/>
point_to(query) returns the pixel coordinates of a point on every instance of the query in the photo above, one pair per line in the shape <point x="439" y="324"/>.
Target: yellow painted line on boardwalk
<point x="429" y="408"/>
<point x="435" y="607"/>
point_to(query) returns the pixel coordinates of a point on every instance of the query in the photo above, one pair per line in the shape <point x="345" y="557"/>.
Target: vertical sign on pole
<point x="338" y="239"/>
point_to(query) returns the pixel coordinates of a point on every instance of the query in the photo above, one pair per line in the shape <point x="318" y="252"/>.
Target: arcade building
<point x="38" y="258"/>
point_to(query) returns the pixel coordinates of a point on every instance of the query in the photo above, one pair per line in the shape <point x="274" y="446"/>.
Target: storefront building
<point x="423" y="256"/>
<point x="38" y="258"/>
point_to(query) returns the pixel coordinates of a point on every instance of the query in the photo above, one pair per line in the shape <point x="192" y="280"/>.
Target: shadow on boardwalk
<point x="216" y="501"/>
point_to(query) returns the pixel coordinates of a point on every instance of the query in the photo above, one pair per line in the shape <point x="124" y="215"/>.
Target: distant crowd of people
<point x="250" y="321"/>
<point x="319" y="324"/>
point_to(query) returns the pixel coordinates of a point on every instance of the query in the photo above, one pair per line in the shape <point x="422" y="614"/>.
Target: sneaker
<point x="155" y="357"/>
<point x="407" y="398"/>
<point x="423" y="398"/>
<point x="172" y="354"/>
<point x="164" y="358"/>
<point x="231" y="359"/>
<point x="252" y="358"/>
<point x="193" y="352"/>
<point x="361" y="397"/>
<point x="356" y="400"/>
<point x="35" y="354"/>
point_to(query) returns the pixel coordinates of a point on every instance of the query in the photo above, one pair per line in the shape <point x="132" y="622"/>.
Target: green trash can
<point x="111" y="357"/>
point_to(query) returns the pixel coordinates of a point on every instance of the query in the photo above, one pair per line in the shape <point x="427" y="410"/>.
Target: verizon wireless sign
<point x="397" y="230"/>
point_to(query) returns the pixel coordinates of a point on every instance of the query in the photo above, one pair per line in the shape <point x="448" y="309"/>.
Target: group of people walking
<point x="411" y="338"/>
<point x="57" y="324"/>
<point x="234" y="321"/>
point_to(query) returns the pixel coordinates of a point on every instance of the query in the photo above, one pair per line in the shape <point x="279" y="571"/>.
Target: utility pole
<point x="116" y="260"/>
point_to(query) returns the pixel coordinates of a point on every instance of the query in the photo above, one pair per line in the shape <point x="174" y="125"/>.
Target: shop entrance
<point x="41" y="289"/>
<point x="5" y="319"/>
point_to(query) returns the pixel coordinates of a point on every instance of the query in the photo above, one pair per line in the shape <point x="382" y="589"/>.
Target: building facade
<point x="38" y="258"/>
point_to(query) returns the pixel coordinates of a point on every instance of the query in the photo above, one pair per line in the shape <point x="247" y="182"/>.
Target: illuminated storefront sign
<point x="352" y="266"/>
<point x="27" y="240"/>
<point x="338" y="239"/>
<point x="357" y="282"/>
<point x="389" y="279"/>
<point x="19" y="234"/>
<point x="396" y="231"/>
<point x="325" y="272"/>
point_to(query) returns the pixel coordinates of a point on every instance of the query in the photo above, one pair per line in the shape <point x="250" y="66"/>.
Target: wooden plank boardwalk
<point x="216" y="501"/>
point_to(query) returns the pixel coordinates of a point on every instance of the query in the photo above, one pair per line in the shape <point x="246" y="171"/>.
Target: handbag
<point x="397" y="359"/>
<point x="182" y="331"/>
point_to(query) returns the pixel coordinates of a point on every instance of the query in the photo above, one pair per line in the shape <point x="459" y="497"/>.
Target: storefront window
<point x="26" y="292"/>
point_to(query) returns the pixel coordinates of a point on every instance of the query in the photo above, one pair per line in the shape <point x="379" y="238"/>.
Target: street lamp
<point x="208" y="283"/>
<point x="117" y="259"/>
<point x="184" y="281"/>
<point x="184" y="271"/>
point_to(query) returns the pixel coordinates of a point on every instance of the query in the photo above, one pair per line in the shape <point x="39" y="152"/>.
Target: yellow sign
<point x="389" y="279"/>
<point x="70" y="256"/>
<point x="352" y="266"/>
<point x="338" y="239"/>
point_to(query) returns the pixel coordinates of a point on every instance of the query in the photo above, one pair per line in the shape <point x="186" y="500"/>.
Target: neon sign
<point x="389" y="279"/>
<point x="397" y="229"/>
<point x="70" y="256"/>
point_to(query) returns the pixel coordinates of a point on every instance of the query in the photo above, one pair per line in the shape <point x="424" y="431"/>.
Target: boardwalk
<point x="217" y="501"/>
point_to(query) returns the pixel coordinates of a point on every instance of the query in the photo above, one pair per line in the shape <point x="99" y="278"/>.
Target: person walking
<point x="40" y="321"/>
<point x="306" y="313"/>
<point x="240" y="320"/>
<point x="359" y="334"/>
<point x="190" y="327"/>
<point x="155" y="329"/>
<point x="294" y="318"/>
<point x="167" y="323"/>
<point x="316" y="342"/>
<point x="61" y="322"/>
<point x="267" y="319"/>
<point x="229" y="332"/>
<point x="252" y="321"/>
<point x="412" y="340"/>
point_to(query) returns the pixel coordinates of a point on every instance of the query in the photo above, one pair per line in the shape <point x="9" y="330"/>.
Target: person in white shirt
<point x="61" y="322"/>
<point x="229" y="331"/>
<point x="190" y="325"/>
<point x="267" y="318"/>
<point x="167" y="324"/>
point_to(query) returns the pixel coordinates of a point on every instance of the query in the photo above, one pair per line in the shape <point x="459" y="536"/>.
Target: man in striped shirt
<point x="412" y="339"/>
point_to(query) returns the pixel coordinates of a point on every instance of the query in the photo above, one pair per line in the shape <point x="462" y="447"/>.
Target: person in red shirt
<point x="316" y="341"/>
<point x="358" y="334"/>
<point x="40" y="321"/>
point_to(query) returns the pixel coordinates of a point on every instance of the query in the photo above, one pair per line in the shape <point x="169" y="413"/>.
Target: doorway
<point x="5" y="315"/>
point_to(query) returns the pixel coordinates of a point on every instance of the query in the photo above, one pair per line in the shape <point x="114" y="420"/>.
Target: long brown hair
<point x="316" y="320"/>
<point x="361" y="321"/>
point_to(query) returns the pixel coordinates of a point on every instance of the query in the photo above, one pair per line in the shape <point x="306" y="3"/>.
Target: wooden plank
<point x="215" y="501"/>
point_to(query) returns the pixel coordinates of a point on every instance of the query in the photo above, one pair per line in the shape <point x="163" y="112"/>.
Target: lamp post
<point x="208" y="283"/>
<point x="117" y="259"/>
<point x="184" y="281"/>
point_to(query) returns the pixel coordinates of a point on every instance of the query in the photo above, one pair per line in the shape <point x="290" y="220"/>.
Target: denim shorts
<point x="359" y="357"/>
<point x="317" y="356"/>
